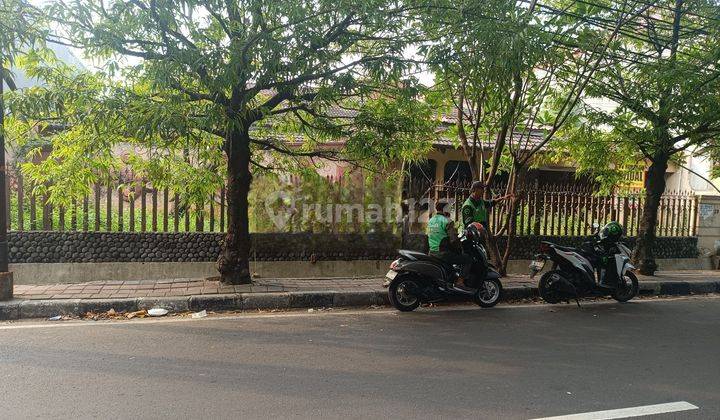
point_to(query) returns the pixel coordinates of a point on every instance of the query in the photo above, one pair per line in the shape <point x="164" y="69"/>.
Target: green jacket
<point x="439" y="231"/>
<point x="475" y="211"/>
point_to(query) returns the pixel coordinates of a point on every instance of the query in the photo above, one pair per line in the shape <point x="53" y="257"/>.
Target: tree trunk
<point x="4" y="258"/>
<point x="234" y="264"/>
<point x="493" y="249"/>
<point x="469" y="152"/>
<point x="515" y="179"/>
<point x="643" y="256"/>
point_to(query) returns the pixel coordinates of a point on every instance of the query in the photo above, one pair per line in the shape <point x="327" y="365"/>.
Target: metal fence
<point x="135" y="206"/>
<point x="569" y="210"/>
<point x="114" y="207"/>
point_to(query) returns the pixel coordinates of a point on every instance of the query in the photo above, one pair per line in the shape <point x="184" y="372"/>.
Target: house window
<point x="457" y="172"/>
<point x="420" y="177"/>
<point x="423" y="171"/>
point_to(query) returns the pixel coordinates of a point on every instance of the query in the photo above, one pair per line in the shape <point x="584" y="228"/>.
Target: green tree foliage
<point x="510" y="69"/>
<point x="20" y="27"/>
<point x="598" y="154"/>
<point x="208" y="84"/>
<point x="662" y="74"/>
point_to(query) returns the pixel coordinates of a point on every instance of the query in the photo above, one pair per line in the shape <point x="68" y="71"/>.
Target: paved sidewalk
<point x="186" y="287"/>
<point x="183" y="295"/>
<point x="192" y="287"/>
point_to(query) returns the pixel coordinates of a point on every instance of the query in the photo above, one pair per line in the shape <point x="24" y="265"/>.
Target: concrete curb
<point x="21" y="309"/>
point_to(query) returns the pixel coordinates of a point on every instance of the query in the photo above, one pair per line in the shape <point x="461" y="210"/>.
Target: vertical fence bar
<point x="199" y="217"/>
<point x="633" y="214"/>
<point x="574" y="213"/>
<point x="624" y="211"/>
<point x="212" y="213"/>
<point x="536" y="213"/>
<point x="668" y="209"/>
<point x="222" y="209"/>
<point x="456" y="207"/>
<point x="61" y="218"/>
<point x="187" y="217"/>
<point x="97" y="207"/>
<point x="565" y="212"/>
<point x="693" y="204"/>
<point x="521" y="216"/>
<point x="21" y="202"/>
<point x="47" y="213"/>
<point x="33" y="211"/>
<point x="121" y="205"/>
<point x="674" y="216"/>
<point x="176" y="212"/>
<point x="165" y="209"/>
<point x="687" y="218"/>
<point x="86" y="212"/>
<point x="131" y="205"/>
<point x="8" y="213"/>
<point x="73" y="216"/>
<point x="660" y="216"/>
<point x="154" y="209"/>
<point x="143" y="206"/>
<point x="545" y="216"/>
<point x="551" y="214"/>
<point x="108" y="208"/>
<point x="572" y="209"/>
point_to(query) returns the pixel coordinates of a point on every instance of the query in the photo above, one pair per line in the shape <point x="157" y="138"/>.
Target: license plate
<point x="391" y="275"/>
<point x="536" y="267"/>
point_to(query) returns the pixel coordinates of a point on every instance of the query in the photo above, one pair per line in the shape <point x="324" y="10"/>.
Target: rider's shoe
<point x="459" y="285"/>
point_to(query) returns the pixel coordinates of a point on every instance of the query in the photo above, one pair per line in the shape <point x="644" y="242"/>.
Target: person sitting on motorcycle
<point x="444" y="243"/>
<point x="475" y="208"/>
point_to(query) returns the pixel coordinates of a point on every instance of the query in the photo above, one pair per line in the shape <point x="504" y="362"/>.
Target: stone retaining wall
<point x="525" y="247"/>
<point x="84" y="247"/>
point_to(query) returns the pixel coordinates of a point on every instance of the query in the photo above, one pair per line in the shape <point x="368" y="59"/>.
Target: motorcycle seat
<point x="419" y="256"/>
<point x="562" y="248"/>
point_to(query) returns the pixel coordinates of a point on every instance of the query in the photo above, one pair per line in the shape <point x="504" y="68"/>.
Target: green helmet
<point x="612" y="231"/>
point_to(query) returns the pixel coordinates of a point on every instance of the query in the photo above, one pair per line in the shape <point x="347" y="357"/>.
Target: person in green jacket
<point x="444" y="243"/>
<point x="475" y="208"/>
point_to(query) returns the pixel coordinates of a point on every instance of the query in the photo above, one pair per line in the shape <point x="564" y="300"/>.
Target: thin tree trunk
<point x="493" y="249"/>
<point x="515" y="179"/>
<point x="4" y="258"/>
<point x="654" y="188"/>
<point x="233" y="264"/>
<point x="468" y="151"/>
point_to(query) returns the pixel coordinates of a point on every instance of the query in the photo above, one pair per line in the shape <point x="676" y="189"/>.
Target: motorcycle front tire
<point x="624" y="296"/>
<point x="489" y="293"/>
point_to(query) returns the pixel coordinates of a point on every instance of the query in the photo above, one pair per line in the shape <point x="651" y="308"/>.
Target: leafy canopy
<point x="182" y="76"/>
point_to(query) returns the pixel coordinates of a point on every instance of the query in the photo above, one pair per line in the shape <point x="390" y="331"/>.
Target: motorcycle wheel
<point x="488" y="293"/>
<point x="545" y="289"/>
<point x="627" y="292"/>
<point x="400" y="295"/>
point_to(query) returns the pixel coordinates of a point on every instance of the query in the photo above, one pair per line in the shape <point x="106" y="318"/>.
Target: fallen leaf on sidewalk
<point x="139" y="314"/>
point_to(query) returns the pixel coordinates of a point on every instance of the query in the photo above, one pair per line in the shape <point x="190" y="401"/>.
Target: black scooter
<point x="417" y="278"/>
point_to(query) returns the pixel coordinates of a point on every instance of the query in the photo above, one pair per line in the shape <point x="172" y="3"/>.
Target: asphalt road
<point x="507" y="362"/>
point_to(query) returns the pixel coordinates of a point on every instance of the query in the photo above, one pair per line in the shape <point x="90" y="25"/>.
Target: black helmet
<point x="612" y="231"/>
